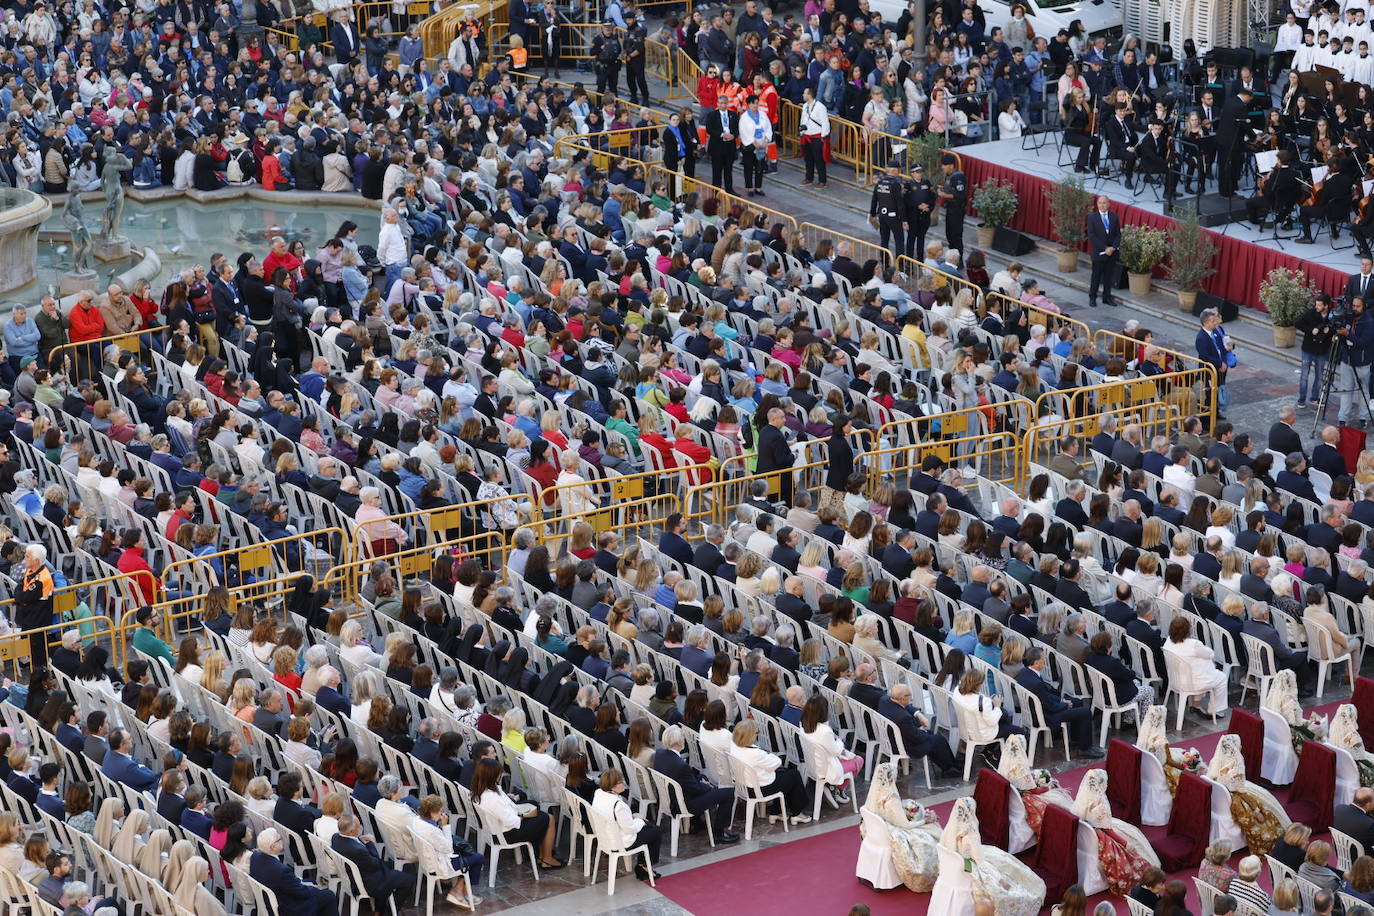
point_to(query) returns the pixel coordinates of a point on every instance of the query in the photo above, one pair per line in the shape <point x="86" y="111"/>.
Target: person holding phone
<point x="518" y="823"/>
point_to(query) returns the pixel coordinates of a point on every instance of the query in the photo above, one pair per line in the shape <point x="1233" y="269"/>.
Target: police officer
<point x="954" y="195"/>
<point x="920" y="200"/>
<point x="606" y="52"/>
<point x="634" y="61"/>
<point x="887" y="209"/>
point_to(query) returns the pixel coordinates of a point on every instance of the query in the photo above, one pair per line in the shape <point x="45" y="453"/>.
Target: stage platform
<point x="1246" y="253"/>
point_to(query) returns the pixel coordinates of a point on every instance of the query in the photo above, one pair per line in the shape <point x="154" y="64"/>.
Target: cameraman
<point x="1315" y="324"/>
<point x="1359" y="334"/>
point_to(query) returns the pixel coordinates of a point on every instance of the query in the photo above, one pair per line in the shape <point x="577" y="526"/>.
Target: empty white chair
<point x="875" y="854"/>
<point x="1089" y="870"/>
<point x="1156" y="804"/>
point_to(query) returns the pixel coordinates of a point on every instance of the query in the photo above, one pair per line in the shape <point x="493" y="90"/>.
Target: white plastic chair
<point x="1105" y="701"/>
<point x="1178" y="676"/>
<point x="1260" y="668"/>
<point x="611" y="843"/>
<point x="494" y="838"/>
<point x="1207" y="894"/>
<point x="1348" y="849"/>
<point x="1322" y="650"/>
<point x="1089" y="867"/>
<point x="1280" y="760"/>
<point x="1224" y="826"/>
<point x="748" y="790"/>
<point x="1156" y="804"/>
<point x="875" y="854"/>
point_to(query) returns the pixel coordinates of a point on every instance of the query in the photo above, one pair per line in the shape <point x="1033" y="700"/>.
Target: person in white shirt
<point x="331" y="809"/>
<point x="767" y="771"/>
<point x="391" y="247"/>
<point x="815" y="128"/>
<point x="755" y="134"/>
<point x="434" y="845"/>
<point x="839" y="763"/>
<point x="983" y="717"/>
<point x="1179" y="477"/>
<point x="634" y="831"/>
<point x="396" y="818"/>
<point x="1010" y="124"/>
<point x="537" y="753"/>
<point x="296" y="749"/>
<point x="1302" y="9"/>
<point x="523" y="824"/>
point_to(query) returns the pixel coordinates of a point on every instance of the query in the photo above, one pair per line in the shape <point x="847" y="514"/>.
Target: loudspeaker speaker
<point x="1009" y="241"/>
<point x="1228" y="310"/>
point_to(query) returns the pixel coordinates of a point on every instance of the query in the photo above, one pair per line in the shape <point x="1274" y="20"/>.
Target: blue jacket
<point x="124" y="769"/>
<point x="198" y="822"/>
<point x="1208" y="351"/>
<point x="21" y="340"/>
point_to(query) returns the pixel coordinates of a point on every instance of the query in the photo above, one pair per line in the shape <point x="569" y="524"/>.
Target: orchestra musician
<point x="1121" y="140"/>
<point x="1362" y="227"/>
<point x="1199" y="147"/>
<point x="1279" y="191"/>
<point x="1153" y="155"/>
<point x="1079" y="132"/>
<point x="1330" y="200"/>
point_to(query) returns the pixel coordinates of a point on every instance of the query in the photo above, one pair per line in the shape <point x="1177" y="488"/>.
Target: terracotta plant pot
<point x="1285" y="337"/>
<point x="986" y="234"/>
<point x="1187" y="298"/>
<point x="1068" y="260"/>
<point x="1140" y="284"/>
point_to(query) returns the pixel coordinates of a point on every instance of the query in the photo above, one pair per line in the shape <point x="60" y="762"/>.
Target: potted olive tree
<point x="1285" y="294"/>
<point x="1191" y="251"/>
<point x="1069" y="203"/>
<point x="996" y="203"/>
<point x="1141" y="249"/>
<point x="926" y="149"/>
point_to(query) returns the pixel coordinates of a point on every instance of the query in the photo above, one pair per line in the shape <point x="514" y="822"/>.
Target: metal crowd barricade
<point x="1042" y="439"/>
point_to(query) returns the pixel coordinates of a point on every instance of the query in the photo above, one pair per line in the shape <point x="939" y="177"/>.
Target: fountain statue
<point x="79" y="276"/>
<point x="111" y="246"/>
<point x="21" y="213"/>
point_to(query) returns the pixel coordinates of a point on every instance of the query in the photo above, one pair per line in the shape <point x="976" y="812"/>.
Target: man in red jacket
<point x="86" y="324"/>
<point x="696" y="453"/>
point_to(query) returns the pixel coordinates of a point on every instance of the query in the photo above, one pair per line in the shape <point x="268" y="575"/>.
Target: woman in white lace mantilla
<point x="1153" y="739"/>
<point x="915" y="844"/>
<point x="1123" y="852"/>
<point x="1016" y="769"/>
<point x="1282" y="698"/>
<point x="1345" y="734"/>
<point x="972" y="874"/>
<point x="1254" y="809"/>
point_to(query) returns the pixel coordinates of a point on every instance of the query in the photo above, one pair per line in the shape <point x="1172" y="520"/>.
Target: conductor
<point x="1104" y="234"/>
<point x="1231" y="130"/>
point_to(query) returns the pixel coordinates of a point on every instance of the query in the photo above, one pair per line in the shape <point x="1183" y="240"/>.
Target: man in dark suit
<point x="426" y="749"/>
<point x="701" y="797"/>
<point x="671" y="543"/>
<point x="1283" y="438"/>
<point x="346" y="42"/>
<point x="1255" y="525"/>
<point x="1104" y="237"/>
<point x="47" y="799"/>
<point x="1105" y="439"/>
<point x="1068" y="590"/>
<point x="328" y="696"/>
<point x="1120" y="611"/>
<point x="68" y="732"/>
<point x="97" y="727"/>
<point x="1057" y="708"/>
<point x="1135" y="489"/>
<point x="976" y="592"/>
<point x="1208" y="563"/>
<point x="707" y="557"/>
<point x="1361" y="284"/>
<point x="865" y="687"/>
<point x="1254" y="585"/>
<point x="1356" y="819"/>
<point x="120" y="766"/>
<point x="1007" y="522"/>
<point x="606" y="558"/>
<point x="896" y="558"/>
<point x="775" y="455"/>
<point x="1157" y="458"/>
<point x="928" y="481"/>
<point x="1121" y="146"/>
<point x="1070" y="509"/>
<point x="170" y="800"/>
<point x="786" y="554"/>
<point x="928" y="519"/>
<point x="917" y="738"/>
<point x="1260" y="627"/>
<point x="1144" y="630"/>
<point x="1326" y="533"/>
<point x="1326" y="457"/>
<point x="381" y="880"/>
<point x="293" y="895"/>
<point x="1167" y="507"/>
<point x="1364" y="508"/>
<point x="1129" y="527"/>
<point x="1293" y="477"/>
<point x="1350" y="583"/>
<point x="1231" y="127"/>
<point x="193" y="816"/>
<point x="695" y="658"/>
<point x="1126" y="451"/>
<point x="722" y="127"/>
<point x="289" y="812"/>
<point x="792" y="601"/>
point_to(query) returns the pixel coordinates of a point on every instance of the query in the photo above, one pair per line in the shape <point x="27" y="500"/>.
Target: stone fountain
<point x="21" y="213"/>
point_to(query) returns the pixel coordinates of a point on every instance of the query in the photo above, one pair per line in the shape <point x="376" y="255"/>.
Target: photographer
<point x="1315" y="325"/>
<point x="1359" y="334"/>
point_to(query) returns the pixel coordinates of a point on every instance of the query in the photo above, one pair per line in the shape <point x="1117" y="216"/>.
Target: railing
<point x="250" y="559"/>
<point x="133" y="342"/>
<point x="711" y="503"/>
<point x="438" y="31"/>
<point x="15" y="647"/>
<point x="610" y="492"/>
<point x="1013" y="414"/>
<point x="313" y="27"/>
<point x="996" y="456"/>
<point x="417" y="559"/>
<point x="644" y="516"/>
<point x="914" y="269"/>
<point x="1177" y="390"/>
<point x="1042" y="439"/>
<point x="179" y="613"/>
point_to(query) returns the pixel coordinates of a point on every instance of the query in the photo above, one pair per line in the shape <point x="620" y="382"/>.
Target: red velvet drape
<point x="1364" y="708"/>
<point x="1123" y="780"/>
<point x="1312" y="799"/>
<point x="1250" y="729"/>
<point x="992" y="796"/>
<point x="1189" y="825"/>
<point x="1056" y="857"/>
<point x="1240" y="265"/>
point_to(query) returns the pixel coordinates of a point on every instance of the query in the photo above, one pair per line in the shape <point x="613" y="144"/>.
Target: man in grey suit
<point x="1126" y="452"/>
<point x="97" y="727"/>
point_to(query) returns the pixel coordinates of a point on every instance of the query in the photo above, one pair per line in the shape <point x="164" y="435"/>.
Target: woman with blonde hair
<point x="242" y="699"/>
<point x="1222" y="516"/>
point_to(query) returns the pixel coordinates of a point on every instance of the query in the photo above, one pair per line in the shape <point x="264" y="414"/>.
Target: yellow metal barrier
<point x="178" y="611"/>
<point x="1178" y="390"/>
<point x="15" y="647"/>
<point x="712" y="503"/>
<point x="74" y="351"/>
<point x="611" y="492"/>
<point x="249" y="559"/>
<point x="1013" y="414"/>
<point x="435" y="523"/>
<point x="438" y="31"/>
<point x="996" y="456"/>
<point x="914" y="269"/>
<point x="1043" y="439"/>
<point x="417" y="559"/>
<point x="644" y="516"/>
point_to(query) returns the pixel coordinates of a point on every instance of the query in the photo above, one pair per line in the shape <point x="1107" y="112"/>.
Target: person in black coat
<point x="722" y="127"/>
<point x="1100" y="658"/>
<point x="289" y="812"/>
<point x="680" y="144"/>
<point x="707" y="557"/>
<point x="841" y="456"/>
<point x="295" y="896"/>
<point x="1283" y="438"/>
<point x="1356" y="819"/>
<point x="671" y="543"/>
<point x="775" y="455"/>
<point x="381" y="880"/>
<point x="701" y="797"/>
<point x="1104" y="237"/>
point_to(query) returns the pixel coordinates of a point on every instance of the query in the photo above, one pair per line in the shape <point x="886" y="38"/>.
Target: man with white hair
<point x="328" y="695"/>
<point x="582" y="715"/>
<point x="294" y="895"/>
<point x="694" y="657"/>
<point x="33" y="601"/>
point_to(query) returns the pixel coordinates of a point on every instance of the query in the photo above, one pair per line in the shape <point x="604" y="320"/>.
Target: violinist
<point x="1273" y="134"/>
<point x="1121" y="140"/>
<point x="1323" y="141"/>
<point x="1153" y="155"/>
<point x="1199" y="148"/>
<point x="1303" y="119"/>
<point x="1362" y="227"/>
<point x="1079" y="133"/>
<point x="1330" y="200"/>
<point x="1279" y="191"/>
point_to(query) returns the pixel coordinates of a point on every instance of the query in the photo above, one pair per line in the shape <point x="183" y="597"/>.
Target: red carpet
<point x="816" y="875"/>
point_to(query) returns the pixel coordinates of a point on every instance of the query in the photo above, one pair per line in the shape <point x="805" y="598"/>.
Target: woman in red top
<point x="214" y="378"/>
<point x="708" y="87"/>
<point x="695" y="453"/>
<point x="272" y="178"/>
<point x="142" y="301"/>
<point x="342" y="765"/>
<point x="649" y="435"/>
<point x="284" y="673"/>
<point x="542" y="469"/>
<point x="132" y="562"/>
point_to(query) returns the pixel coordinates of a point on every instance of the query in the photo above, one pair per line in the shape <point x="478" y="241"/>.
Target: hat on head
<point x="917" y="167"/>
<point x="949" y="159"/>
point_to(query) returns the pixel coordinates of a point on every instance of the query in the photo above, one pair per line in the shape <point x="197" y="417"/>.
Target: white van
<point x="1046" y="17"/>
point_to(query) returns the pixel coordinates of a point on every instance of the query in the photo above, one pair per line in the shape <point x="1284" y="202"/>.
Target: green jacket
<point x="147" y="642"/>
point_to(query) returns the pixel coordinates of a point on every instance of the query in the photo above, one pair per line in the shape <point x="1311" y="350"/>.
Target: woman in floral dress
<point x="915" y="844"/>
<point x="1015" y="768"/>
<point x="1345" y="734"/>
<point x="1256" y="812"/>
<point x="1123" y="852"/>
<point x="974" y="878"/>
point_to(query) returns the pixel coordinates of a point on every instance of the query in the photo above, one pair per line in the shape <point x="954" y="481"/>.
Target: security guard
<point x="634" y="61"/>
<point x="954" y="195"/>
<point x="887" y="210"/>
<point x="606" y="52"/>
<point x="920" y="200"/>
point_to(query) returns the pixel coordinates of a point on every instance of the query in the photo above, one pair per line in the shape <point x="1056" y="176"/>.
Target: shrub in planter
<point x="1069" y="203"/>
<point x="1191" y="251"/>
<point x="996" y="203"/>
<point x="1141" y="249"/>
<point x="1286" y="294"/>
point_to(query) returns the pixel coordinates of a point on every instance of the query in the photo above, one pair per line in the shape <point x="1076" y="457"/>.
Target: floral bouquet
<point x="914" y="811"/>
<point x="1043" y="779"/>
<point x="1192" y="760"/>
<point x="1317" y="726"/>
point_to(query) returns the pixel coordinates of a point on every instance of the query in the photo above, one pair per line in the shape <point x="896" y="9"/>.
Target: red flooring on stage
<point x="816" y="875"/>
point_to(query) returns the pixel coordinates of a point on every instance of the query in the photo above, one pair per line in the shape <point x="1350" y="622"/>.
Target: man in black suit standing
<point x="701" y="797"/>
<point x="1362" y="283"/>
<point x="1235" y="115"/>
<point x="1283" y="437"/>
<point x="344" y="33"/>
<point x="722" y="127"/>
<point x="775" y="455"/>
<point x="1356" y="819"/>
<point x="1104" y="235"/>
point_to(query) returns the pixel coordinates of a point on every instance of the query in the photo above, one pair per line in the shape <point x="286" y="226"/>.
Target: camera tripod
<point x="1329" y="385"/>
